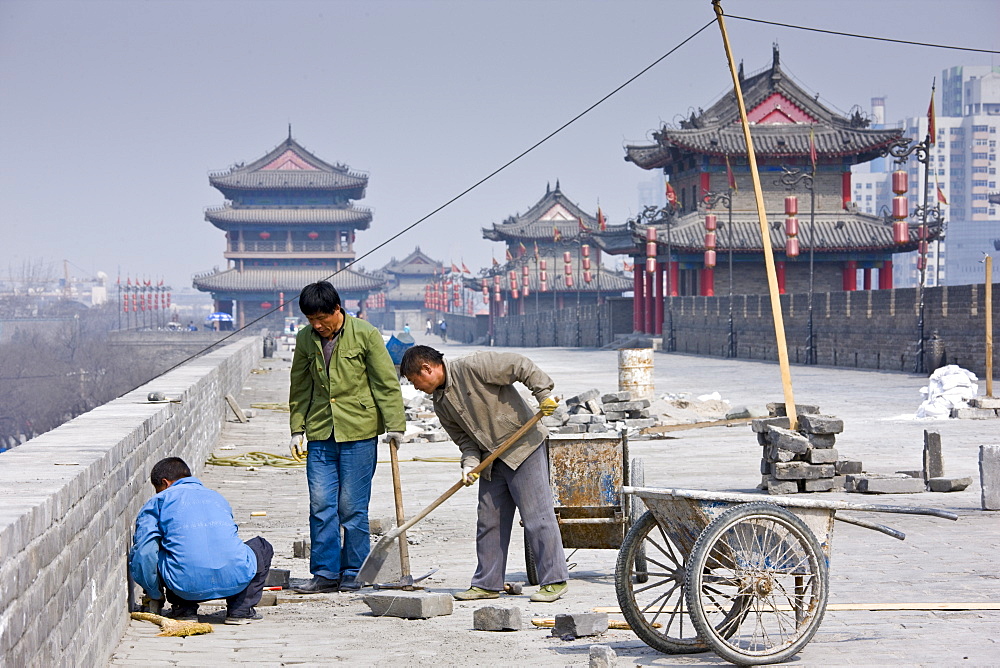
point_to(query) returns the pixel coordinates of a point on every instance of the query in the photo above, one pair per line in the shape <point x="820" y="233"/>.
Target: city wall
<point x="868" y="329"/>
<point x="68" y="501"/>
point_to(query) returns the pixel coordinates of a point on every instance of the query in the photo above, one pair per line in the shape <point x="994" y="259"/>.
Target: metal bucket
<point x="635" y="371"/>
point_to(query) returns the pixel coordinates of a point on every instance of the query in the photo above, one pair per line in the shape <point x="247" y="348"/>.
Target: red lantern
<point x="586" y="276"/>
<point x="650" y="249"/>
<point x="524" y="272"/>
<point x="709" y="259"/>
<point x="899" y="182"/>
<point x="265" y="235"/>
<point x="711" y="222"/>
<point x="168" y="300"/>
<point x="514" y="293"/>
<point x="586" y="264"/>
<point x="313" y="235"/>
<point x="650" y="265"/>
<point x="900" y="207"/>
<point x="900" y="232"/>
<point x="710" y="240"/>
<point x="923" y="248"/>
<point x="792" y="247"/>
<point x="569" y="280"/>
<point x="791" y="205"/>
<point x="792" y="226"/>
<point x="921" y="262"/>
<point x="651" y="234"/>
<point x="922" y="232"/>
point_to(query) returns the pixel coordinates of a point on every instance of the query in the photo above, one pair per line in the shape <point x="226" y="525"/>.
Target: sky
<point x="112" y="114"/>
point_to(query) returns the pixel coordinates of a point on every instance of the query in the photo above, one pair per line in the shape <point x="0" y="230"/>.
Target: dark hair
<point x="319" y="297"/>
<point x="416" y="356"/>
<point x="171" y="468"/>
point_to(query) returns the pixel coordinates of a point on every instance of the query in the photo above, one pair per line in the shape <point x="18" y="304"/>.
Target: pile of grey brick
<point x="804" y="460"/>
<point x="591" y="412"/>
<point x="979" y="408"/>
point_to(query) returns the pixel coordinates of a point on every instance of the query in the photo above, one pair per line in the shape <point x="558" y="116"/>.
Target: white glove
<point x="394" y="436"/>
<point x="468" y="477"/>
<point x="298" y="446"/>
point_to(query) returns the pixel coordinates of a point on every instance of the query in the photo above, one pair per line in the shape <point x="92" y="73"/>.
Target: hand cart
<point x="587" y="472"/>
<point x="745" y="575"/>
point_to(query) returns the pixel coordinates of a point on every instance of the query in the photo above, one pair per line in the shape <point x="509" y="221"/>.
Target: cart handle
<point x="881" y="528"/>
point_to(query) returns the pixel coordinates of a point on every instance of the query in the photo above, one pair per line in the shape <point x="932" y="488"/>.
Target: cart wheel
<point x="655" y="611"/>
<point x="636" y="508"/>
<point x="529" y="563"/>
<point x="763" y="561"/>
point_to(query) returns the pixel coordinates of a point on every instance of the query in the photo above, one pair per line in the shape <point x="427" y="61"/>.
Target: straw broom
<point x="173" y="627"/>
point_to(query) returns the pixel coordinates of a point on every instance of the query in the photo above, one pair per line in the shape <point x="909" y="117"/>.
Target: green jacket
<point x="358" y="399"/>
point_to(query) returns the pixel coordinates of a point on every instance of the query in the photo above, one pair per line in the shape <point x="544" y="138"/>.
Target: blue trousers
<point x="340" y="487"/>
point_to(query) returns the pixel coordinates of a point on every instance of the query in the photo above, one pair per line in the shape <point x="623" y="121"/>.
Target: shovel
<point x="376" y="558"/>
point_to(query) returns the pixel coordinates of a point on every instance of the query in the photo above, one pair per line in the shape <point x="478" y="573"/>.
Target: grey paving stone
<point x="641" y="413"/>
<point x="583" y="397"/>
<point x="614" y="416"/>
<point x="777" y="409"/>
<point x="636" y="405"/>
<point x="409" y="604"/>
<point x="762" y="425"/>
<point x="822" y="456"/>
<point x="785" y="439"/>
<point x="812" y="423"/>
<point x="913" y="473"/>
<point x="802" y="471"/>
<point x="580" y="624"/>
<point x="989" y="476"/>
<point x="848" y="466"/>
<point x="776" y="454"/>
<point x="948" y="484"/>
<point x="820" y="485"/>
<point x="277" y="577"/>
<point x="496" y="618"/>
<point x="614" y="397"/>
<point x="933" y="459"/>
<point x="781" y="487"/>
<point x="822" y="440"/>
<point x="580" y="418"/>
<point x="641" y="423"/>
<point x="300" y="548"/>
<point x="888" y="484"/>
<point x="594" y="407"/>
<point x="552" y="421"/>
<point x="973" y="413"/>
<point x="602" y="656"/>
<point x="985" y="402"/>
<point x="572" y="429"/>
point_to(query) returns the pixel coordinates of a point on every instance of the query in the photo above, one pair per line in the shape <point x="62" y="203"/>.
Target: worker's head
<point x="424" y="367"/>
<point x="320" y="304"/>
<point x="168" y="471"/>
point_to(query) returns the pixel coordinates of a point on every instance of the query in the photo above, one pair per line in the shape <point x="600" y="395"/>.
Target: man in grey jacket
<point x="478" y="405"/>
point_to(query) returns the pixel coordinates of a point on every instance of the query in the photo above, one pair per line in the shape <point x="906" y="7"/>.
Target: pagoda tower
<point x="290" y="220"/>
<point x="707" y="155"/>
<point x="550" y="231"/>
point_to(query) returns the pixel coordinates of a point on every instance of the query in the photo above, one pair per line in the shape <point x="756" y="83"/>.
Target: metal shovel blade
<point x="376" y="558"/>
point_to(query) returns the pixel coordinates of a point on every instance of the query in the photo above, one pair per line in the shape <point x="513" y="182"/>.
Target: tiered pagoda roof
<point x="231" y="217"/>
<point x="416" y="263"/>
<point x="782" y="115"/>
<point x="553" y="212"/>
<point x="284" y="279"/>
<point x="289" y="166"/>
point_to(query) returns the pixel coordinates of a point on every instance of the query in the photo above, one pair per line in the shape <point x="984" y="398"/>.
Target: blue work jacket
<point x="185" y="537"/>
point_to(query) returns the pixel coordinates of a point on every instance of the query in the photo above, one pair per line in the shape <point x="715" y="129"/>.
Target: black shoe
<point x="351" y="585"/>
<point x="318" y="585"/>
<point x="188" y="613"/>
<point x="252" y="616"/>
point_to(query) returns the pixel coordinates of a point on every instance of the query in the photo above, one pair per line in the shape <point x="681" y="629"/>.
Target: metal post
<point x="989" y="325"/>
<point x="729" y="242"/>
<point x="811" y="357"/>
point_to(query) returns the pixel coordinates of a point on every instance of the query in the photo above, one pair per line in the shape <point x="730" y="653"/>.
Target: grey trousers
<point x="526" y="489"/>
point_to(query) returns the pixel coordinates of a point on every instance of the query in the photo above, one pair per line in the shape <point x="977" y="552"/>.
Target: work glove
<point x="468" y="477"/>
<point x="548" y="406"/>
<point x="394" y="436"/>
<point x="298" y="446"/>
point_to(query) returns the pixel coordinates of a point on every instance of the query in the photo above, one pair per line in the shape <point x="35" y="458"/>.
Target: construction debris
<point x="948" y="390"/>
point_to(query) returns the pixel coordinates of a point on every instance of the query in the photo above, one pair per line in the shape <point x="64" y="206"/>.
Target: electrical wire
<point x="859" y="36"/>
<point x="451" y="201"/>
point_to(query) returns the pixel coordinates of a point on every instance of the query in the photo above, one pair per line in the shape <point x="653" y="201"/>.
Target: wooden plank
<point x="236" y="408"/>
<point x="694" y="425"/>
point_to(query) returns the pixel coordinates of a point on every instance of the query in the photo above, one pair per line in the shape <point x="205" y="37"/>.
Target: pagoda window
<point x="345" y="241"/>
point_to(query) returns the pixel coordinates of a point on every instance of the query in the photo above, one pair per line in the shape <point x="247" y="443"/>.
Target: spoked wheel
<point x="652" y="600"/>
<point x="636" y="509"/>
<point x="763" y="561"/>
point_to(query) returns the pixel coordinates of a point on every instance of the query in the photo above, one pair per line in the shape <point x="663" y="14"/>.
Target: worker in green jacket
<point x="343" y="393"/>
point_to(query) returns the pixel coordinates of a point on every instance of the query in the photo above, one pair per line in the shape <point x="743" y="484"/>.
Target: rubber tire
<point x="529" y="563"/>
<point x="636" y="509"/>
<point x="697" y="567"/>
<point x="630" y="608"/>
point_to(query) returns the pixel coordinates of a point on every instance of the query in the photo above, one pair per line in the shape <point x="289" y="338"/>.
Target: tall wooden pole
<point x="765" y="235"/>
<point x="989" y="326"/>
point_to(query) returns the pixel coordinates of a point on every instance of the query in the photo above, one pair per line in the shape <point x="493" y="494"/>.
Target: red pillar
<point x="867" y="278"/>
<point x="674" y="278"/>
<point x="885" y="276"/>
<point x="637" y="303"/>
<point x="649" y="318"/>
<point x="779" y="270"/>
<point x="658" y="299"/>
<point x="850" y="276"/>
<point x="708" y="282"/>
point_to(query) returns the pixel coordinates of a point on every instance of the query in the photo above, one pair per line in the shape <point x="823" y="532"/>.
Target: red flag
<point x="465" y="270"/>
<point x="940" y="195"/>
<point x="556" y="234"/>
<point x="627" y="266"/>
<point x="812" y="147"/>
<point x="509" y="256"/>
<point x="730" y="177"/>
<point x="521" y="250"/>
<point x="583" y="228"/>
<point x="495" y="263"/>
<point x="454" y="268"/>
<point x="602" y="224"/>
<point x="931" y="120"/>
<point x="671" y="195"/>
<point x="536" y="250"/>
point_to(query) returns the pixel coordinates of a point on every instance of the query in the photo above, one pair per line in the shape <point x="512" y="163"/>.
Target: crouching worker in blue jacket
<point x="186" y="548"/>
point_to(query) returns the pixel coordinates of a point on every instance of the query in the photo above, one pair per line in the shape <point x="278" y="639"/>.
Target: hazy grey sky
<point x="113" y="113"/>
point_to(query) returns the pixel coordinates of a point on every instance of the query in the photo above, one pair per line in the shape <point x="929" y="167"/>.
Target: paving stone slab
<point x="621" y="395"/>
<point x="985" y="402"/>
<point x="594" y="407"/>
<point x="636" y="405"/>
<point x="497" y="618"/>
<point x="580" y="418"/>
<point x="775" y="454"/>
<point x="802" y="471"/>
<point x="973" y="413"/>
<point x="583" y="397"/>
<point x="888" y="484"/>
<point x="822" y="456"/>
<point x="849" y="466"/>
<point x="933" y="459"/>
<point x="822" y="440"/>
<point x="409" y="604"/>
<point x="819" y="485"/>
<point x="781" y="487"/>
<point x="812" y="423"/>
<point x="777" y="409"/>
<point x="989" y="476"/>
<point x="573" y="429"/>
<point x="948" y="484"/>
<point x="785" y="439"/>
<point x="580" y="624"/>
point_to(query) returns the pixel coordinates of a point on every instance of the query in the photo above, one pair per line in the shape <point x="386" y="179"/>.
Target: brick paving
<point x="940" y="561"/>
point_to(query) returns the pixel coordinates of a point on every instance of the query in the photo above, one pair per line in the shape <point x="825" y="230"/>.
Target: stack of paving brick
<point x="625" y="406"/>
<point x="590" y="412"/>
<point x="979" y="408"/>
<point x="804" y="460"/>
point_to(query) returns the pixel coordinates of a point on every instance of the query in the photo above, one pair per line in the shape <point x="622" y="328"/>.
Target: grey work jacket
<point x="480" y="408"/>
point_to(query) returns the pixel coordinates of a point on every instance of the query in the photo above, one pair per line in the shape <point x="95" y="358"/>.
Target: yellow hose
<point x="284" y="461"/>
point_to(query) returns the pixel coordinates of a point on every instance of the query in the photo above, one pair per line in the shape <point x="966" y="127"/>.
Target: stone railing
<point x="68" y="501"/>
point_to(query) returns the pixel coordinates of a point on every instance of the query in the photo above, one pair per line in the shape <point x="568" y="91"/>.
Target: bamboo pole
<point x="989" y="326"/>
<point x="765" y="235"/>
